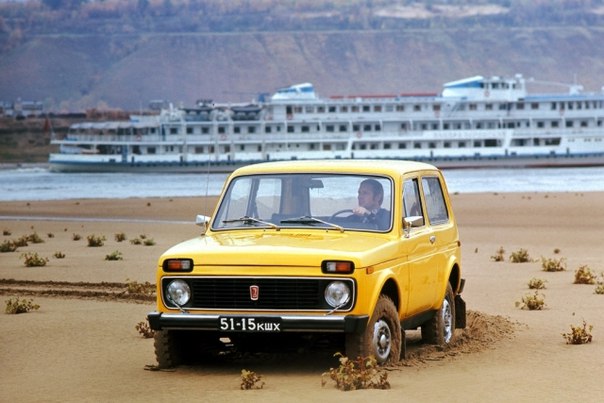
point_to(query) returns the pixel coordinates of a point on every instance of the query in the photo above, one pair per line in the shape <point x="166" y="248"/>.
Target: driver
<point x="370" y="198"/>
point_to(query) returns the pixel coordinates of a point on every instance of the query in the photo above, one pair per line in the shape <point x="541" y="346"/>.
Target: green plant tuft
<point x="520" y="256"/>
<point x="31" y="259"/>
<point x="499" y="255"/>
<point x="115" y="255"/>
<point x="96" y="241"/>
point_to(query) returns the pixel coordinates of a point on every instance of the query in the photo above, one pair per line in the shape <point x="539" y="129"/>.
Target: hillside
<point x="84" y="57"/>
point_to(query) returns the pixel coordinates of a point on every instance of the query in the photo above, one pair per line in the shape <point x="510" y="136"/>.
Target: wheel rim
<point x="447" y="321"/>
<point x="382" y="340"/>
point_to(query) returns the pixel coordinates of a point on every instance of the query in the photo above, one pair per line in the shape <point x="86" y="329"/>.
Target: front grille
<point x="282" y="293"/>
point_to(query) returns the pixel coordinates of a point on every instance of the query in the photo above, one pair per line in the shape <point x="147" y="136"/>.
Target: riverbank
<point x="74" y="349"/>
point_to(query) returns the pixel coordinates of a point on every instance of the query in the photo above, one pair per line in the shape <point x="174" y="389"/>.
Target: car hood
<point x="284" y="248"/>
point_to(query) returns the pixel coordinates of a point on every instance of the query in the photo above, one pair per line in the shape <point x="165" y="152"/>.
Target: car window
<point x="411" y="201"/>
<point x="435" y="201"/>
<point x="265" y="200"/>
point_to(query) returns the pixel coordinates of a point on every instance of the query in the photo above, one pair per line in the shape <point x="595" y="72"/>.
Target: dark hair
<point x="376" y="188"/>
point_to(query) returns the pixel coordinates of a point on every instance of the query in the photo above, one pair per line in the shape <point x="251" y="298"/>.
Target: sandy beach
<point x="83" y="346"/>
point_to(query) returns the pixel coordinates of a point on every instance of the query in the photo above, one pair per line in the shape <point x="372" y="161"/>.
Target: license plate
<point x="247" y="324"/>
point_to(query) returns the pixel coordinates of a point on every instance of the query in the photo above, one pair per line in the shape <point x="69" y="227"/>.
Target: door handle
<point x="432" y="239"/>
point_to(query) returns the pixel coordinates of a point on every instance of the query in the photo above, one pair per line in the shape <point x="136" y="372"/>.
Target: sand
<point x="82" y="345"/>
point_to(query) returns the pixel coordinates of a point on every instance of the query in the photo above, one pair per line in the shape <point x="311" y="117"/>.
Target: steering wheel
<point x="337" y="213"/>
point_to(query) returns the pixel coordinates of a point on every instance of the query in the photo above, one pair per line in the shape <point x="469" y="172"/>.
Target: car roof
<point x="354" y="166"/>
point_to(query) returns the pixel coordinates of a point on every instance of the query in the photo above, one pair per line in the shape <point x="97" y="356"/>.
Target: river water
<point x="40" y="184"/>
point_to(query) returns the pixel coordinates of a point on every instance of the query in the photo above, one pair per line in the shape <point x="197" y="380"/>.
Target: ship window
<point x="329" y="128"/>
<point x="579" y="105"/>
<point x="150" y="150"/>
<point x="326" y="147"/>
<point x="446" y="126"/>
<point x="305" y="129"/>
<point x="434" y="126"/>
<point x="424" y="126"/>
<point x="367" y="128"/>
<point x="432" y="144"/>
<point x="173" y="130"/>
<point x="402" y="146"/>
<point x="362" y="146"/>
<point x="569" y="123"/>
<point x="320" y="109"/>
<point x="354" y="108"/>
<point x="570" y="105"/>
<point x="205" y="130"/>
<point x="389" y="108"/>
<point x="400" y="108"/>
<point x="404" y="126"/>
<point x="520" y="106"/>
<point x="356" y="128"/>
<point x="555" y="123"/>
<point x="436" y="108"/>
<point x="491" y="143"/>
<point x="540" y="125"/>
<point x="297" y="109"/>
<point x="447" y="144"/>
<point x="268" y="129"/>
<point x="377" y="128"/>
<point x="221" y="129"/>
<point x="478" y="125"/>
<point x="290" y="129"/>
<point x="477" y="143"/>
<point x="583" y="123"/>
<point x="310" y="109"/>
<point x="374" y="146"/>
<point x="535" y="105"/>
<point x="343" y="128"/>
<point x="227" y="148"/>
<point x="377" y="108"/>
<point x="366" y="108"/>
<point x="417" y="144"/>
<point x="332" y="109"/>
<point x="462" y="144"/>
<point x="417" y="108"/>
<point x="554" y="106"/>
<point x="236" y="129"/>
<point x="488" y="107"/>
<point x="472" y="107"/>
<point x="251" y="129"/>
<point x="387" y="146"/>
<point x="189" y="130"/>
<point x="344" y="109"/>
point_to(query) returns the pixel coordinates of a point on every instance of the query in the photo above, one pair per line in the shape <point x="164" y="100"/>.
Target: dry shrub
<point x="251" y="380"/>
<point x="578" y="334"/>
<point x="362" y="373"/>
<point x="520" y="256"/>
<point x="498" y="256"/>
<point x="553" y="265"/>
<point x="532" y="302"/>
<point x="16" y="306"/>
<point x="584" y="275"/>
<point x="144" y="330"/>
<point x="96" y="240"/>
<point x="536" y="284"/>
<point x="31" y="259"/>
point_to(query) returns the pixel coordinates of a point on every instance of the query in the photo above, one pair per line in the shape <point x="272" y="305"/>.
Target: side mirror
<point x="202" y="221"/>
<point x="412" y="222"/>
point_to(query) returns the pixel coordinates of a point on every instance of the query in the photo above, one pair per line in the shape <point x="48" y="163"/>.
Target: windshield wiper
<point x="250" y="220"/>
<point x="305" y="219"/>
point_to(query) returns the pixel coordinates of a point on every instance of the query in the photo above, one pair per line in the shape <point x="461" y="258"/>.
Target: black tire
<point x="382" y="337"/>
<point x="440" y="330"/>
<point x="167" y="349"/>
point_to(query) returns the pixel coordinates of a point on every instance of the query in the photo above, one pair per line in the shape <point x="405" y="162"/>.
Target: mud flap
<point x="460" y="312"/>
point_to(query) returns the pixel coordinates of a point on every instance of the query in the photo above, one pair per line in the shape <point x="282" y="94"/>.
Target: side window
<point x="435" y="201"/>
<point x="411" y="201"/>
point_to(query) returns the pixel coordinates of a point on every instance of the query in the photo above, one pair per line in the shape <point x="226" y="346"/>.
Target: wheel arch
<point x="391" y="290"/>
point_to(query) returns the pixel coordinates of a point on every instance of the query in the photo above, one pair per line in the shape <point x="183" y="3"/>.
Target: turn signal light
<point x="180" y="265"/>
<point x="338" y="267"/>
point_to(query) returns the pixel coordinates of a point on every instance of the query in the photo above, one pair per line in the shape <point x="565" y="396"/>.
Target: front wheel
<point x="382" y="337"/>
<point x="167" y="349"/>
<point x="440" y="330"/>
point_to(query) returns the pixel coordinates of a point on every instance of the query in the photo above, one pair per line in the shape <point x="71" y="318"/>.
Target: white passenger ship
<point x="474" y="122"/>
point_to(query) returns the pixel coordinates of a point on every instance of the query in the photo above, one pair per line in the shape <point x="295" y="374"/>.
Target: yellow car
<point x="353" y="250"/>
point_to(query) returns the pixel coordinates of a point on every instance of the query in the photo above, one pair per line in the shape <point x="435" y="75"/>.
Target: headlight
<point x="337" y="294"/>
<point x="178" y="292"/>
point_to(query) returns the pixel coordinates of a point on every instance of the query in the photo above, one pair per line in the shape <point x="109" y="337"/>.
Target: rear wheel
<point x="382" y="337"/>
<point x="440" y="330"/>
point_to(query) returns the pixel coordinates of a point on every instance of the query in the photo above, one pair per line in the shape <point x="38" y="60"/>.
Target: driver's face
<point x="367" y="199"/>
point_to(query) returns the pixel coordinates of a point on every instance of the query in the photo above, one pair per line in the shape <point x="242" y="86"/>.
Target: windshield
<point x="325" y="201"/>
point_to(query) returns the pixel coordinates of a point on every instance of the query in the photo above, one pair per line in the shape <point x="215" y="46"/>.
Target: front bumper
<point x="289" y="323"/>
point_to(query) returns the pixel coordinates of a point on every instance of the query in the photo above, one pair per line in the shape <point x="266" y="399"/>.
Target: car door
<point x="421" y="252"/>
